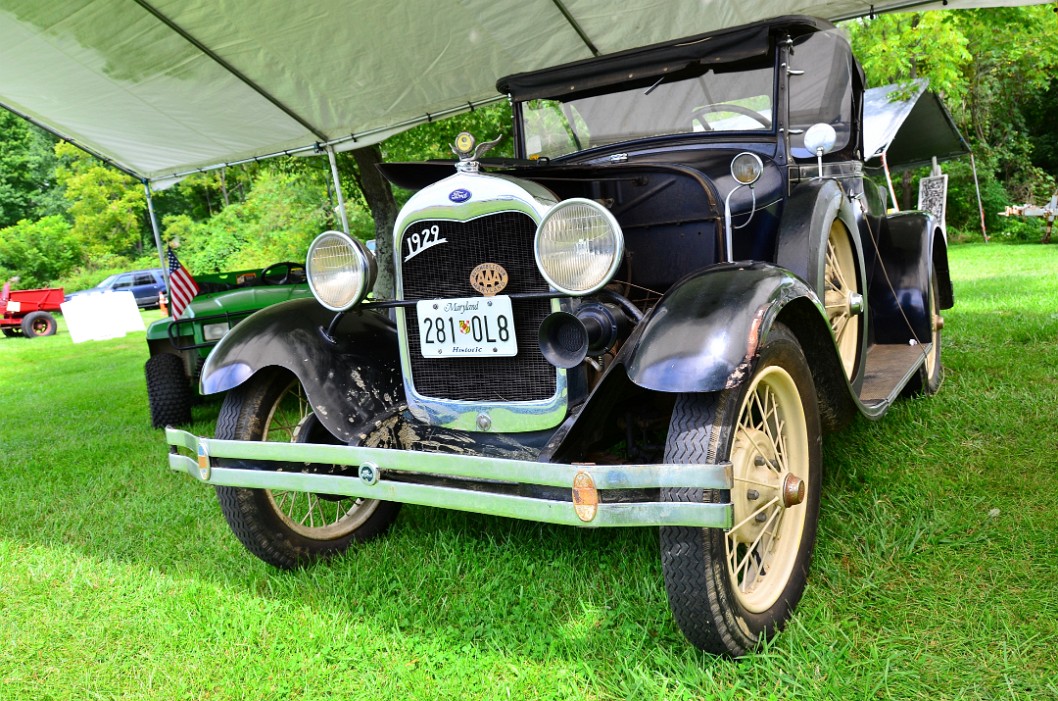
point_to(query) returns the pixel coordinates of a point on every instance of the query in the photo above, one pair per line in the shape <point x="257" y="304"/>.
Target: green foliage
<point x="281" y="215"/>
<point x="26" y="164"/>
<point x="994" y="68"/>
<point x="40" y="251"/>
<point x="106" y="205"/>
<point x="897" y="47"/>
<point x="434" y="139"/>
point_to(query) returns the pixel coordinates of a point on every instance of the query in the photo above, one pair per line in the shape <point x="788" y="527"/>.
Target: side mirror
<point x="820" y="139"/>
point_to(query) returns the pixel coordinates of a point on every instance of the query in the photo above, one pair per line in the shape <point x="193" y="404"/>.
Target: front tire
<point x="283" y="528"/>
<point x="168" y="390"/>
<point x="730" y="590"/>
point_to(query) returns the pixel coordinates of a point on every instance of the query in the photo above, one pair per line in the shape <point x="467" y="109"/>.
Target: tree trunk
<point x="379" y="198"/>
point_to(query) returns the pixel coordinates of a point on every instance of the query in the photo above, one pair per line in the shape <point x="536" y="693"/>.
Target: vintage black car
<point x="648" y="318"/>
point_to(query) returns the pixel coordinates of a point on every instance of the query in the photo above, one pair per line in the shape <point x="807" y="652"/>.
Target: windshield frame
<point x="688" y="85"/>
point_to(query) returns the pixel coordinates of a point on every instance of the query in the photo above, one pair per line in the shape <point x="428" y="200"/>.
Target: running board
<point x="889" y="368"/>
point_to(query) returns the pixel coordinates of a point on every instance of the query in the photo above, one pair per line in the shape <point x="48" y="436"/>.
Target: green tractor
<point x="179" y="346"/>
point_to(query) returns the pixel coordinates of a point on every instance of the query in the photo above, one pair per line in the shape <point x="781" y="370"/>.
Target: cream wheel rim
<point x="841" y="293"/>
<point x="316" y="516"/>
<point x="769" y="452"/>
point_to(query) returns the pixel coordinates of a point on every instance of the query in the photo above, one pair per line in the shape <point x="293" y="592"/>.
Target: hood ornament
<point x="469" y="151"/>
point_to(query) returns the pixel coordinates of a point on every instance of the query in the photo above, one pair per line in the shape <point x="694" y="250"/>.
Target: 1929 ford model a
<point x="647" y="319"/>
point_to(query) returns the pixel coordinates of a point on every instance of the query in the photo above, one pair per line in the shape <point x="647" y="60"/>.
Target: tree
<point x="40" y="252"/>
<point x="107" y="206"/>
<point x="990" y="66"/>
<point x="26" y="162"/>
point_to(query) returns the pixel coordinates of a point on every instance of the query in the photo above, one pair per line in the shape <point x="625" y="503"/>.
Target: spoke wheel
<point x="842" y="295"/>
<point x="311" y="515"/>
<point x="770" y="465"/>
<point x="290" y="528"/>
<point x="729" y="590"/>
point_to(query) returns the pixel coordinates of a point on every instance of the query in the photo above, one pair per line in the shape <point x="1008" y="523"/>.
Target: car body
<point x="649" y="317"/>
<point x="145" y="285"/>
<point x="179" y="346"/>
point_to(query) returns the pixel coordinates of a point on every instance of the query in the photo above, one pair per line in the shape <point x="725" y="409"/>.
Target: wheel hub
<point x="767" y="488"/>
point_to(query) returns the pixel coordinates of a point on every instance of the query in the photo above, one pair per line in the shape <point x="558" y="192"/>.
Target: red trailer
<point x="27" y="312"/>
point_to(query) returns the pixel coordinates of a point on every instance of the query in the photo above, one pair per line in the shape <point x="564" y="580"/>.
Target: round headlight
<point x="746" y="168"/>
<point x="578" y="246"/>
<point x="340" y="270"/>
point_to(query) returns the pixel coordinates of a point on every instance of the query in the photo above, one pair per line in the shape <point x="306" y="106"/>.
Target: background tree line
<point x="66" y="218"/>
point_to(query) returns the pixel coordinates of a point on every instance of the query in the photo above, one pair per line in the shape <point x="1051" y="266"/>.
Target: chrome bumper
<point x="256" y="468"/>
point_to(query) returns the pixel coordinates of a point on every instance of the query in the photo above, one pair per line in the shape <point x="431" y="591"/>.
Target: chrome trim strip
<point x="527" y="508"/>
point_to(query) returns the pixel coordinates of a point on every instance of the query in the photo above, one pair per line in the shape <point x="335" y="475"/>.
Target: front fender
<point x="704" y="334"/>
<point x="348" y="382"/>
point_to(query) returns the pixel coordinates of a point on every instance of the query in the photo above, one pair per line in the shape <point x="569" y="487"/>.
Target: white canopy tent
<point x="161" y="88"/>
<point x="164" y="88"/>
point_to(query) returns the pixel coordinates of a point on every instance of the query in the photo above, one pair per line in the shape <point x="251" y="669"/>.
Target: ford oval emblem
<point x="459" y="195"/>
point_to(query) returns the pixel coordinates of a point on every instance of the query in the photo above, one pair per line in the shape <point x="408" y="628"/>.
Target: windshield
<point x="710" y="102"/>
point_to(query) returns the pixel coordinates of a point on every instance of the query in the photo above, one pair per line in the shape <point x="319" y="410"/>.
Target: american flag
<point x="182" y="287"/>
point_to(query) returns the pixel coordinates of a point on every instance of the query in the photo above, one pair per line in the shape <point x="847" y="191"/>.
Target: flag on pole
<point x="182" y="287"/>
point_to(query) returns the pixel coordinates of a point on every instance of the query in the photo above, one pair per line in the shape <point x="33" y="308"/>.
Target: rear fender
<point x="704" y="334"/>
<point x="807" y="219"/>
<point x="912" y="249"/>
<point x="348" y="381"/>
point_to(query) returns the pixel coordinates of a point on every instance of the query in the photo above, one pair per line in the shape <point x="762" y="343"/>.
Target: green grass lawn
<point x="936" y="570"/>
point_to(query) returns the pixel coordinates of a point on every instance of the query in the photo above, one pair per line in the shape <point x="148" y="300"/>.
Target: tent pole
<point x="157" y="233"/>
<point x="889" y="181"/>
<point x="338" y="189"/>
<point x="980" y="205"/>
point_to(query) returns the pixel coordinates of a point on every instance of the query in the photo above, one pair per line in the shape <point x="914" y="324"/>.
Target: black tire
<point x="272" y="406"/>
<point x="38" y="324"/>
<point x="11" y="331"/>
<point x="168" y="390"/>
<point x="931" y="373"/>
<point x="730" y="609"/>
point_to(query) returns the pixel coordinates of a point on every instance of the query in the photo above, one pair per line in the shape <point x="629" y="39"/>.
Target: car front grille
<point x="443" y="271"/>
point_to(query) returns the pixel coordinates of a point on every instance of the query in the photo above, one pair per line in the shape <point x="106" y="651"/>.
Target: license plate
<point x="464" y="327"/>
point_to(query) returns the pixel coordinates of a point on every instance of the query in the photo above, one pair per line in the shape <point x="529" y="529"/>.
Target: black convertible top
<point x="646" y="64"/>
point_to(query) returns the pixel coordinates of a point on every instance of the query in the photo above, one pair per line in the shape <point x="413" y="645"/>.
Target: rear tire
<point x="730" y="590"/>
<point x="168" y="390"/>
<point x="283" y="528"/>
<point x="11" y="331"/>
<point x="38" y="324"/>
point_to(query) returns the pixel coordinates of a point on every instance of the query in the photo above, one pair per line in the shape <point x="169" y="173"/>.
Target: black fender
<point x="912" y="249"/>
<point x="804" y="228"/>
<point x="704" y="334"/>
<point x="349" y="382"/>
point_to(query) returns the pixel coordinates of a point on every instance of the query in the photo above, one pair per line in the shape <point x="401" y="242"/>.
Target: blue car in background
<point x="145" y="286"/>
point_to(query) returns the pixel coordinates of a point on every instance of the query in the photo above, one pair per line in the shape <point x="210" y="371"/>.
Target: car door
<point x="145" y="287"/>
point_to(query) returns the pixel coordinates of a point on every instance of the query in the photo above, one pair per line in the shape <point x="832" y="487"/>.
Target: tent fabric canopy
<point x="910" y="126"/>
<point x="161" y="88"/>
